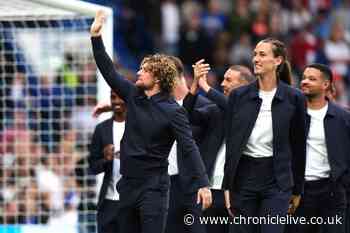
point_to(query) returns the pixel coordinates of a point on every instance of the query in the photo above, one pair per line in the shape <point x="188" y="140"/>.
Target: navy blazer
<point x="218" y="98"/>
<point x="102" y="136"/>
<point x="337" y="137"/>
<point x="189" y="184"/>
<point x="289" y="133"/>
<point x="152" y="125"/>
<point x="211" y="118"/>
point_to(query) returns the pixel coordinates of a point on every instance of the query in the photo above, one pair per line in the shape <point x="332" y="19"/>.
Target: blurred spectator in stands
<point x="8" y="206"/>
<point x="342" y="95"/>
<point x="213" y="19"/>
<point x="86" y="186"/>
<point x="18" y="90"/>
<point x="51" y="183"/>
<point x="322" y="24"/>
<point x="341" y="14"/>
<point x="86" y="91"/>
<point x="86" y="98"/>
<point x="28" y="205"/>
<point x="21" y="184"/>
<point x="302" y="49"/>
<point x="170" y="26"/>
<point x="240" y="19"/>
<point x="320" y="53"/>
<point x="68" y="157"/>
<point x="220" y="57"/>
<point x="260" y="26"/>
<point x="67" y="74"/>
<point x="194" y="42"/>
<point x="316" y="5"/>
<point x="7" y="71"/>
<point x="68" y="152"/>
<point x="337" y="51"/>
<point x="142" y="26"/>
<point x="10" y="136"/>
<point x="300" y="17"/>
<point x="241" y="51"/>
<point x="279" y="21"/>
<point x="54" y="103"/>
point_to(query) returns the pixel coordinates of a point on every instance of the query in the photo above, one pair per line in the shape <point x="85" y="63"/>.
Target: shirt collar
<point x="160" y="96"/>
<point x="331" y="111"/>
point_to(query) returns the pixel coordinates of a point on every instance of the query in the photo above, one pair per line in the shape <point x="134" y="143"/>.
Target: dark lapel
<point x="108" y="131"/>
<point x="108" y="139"/>
<point x="330" y="128"/>
<point x="277" y="111"/>
<point x="251" y="111"/>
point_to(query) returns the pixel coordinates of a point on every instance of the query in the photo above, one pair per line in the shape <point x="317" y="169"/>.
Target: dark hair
<point x="284" y="71"/>
<point x="245" y="73"/>
<point x="325" y="70"/>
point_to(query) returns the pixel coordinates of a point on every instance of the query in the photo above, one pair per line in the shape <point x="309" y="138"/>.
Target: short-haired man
<point x="327" y="155"/>
<point x="104" y="158"/>
<point x="212" y="118"/>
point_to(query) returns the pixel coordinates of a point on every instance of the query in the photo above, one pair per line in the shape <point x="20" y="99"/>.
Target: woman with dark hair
<point x="265" y="156"/>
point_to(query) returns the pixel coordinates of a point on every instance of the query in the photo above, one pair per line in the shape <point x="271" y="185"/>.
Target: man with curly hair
<point x="154" y="120"/>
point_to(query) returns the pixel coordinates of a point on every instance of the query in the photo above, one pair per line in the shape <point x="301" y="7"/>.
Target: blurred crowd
<point x="45" y="129"/>
<point x="223" y="32"/>
<point x="46" y="124"/>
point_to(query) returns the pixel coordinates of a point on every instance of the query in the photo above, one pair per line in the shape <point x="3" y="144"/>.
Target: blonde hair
<point x="163" y="69"/>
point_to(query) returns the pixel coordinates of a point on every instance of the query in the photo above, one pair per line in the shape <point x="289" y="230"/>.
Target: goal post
<point x="61" y="9"/>
<point x="90" y="9"/>
<point x="48" y="88"/>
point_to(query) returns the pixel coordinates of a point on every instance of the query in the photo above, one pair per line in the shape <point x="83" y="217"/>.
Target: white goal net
<point x="48" y="87"/>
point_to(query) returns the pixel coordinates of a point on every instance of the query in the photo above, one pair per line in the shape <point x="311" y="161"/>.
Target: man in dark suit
<point x="105" y="158"/>
<point x="327" y="158"/>
<point x="183" y="187"/>
<point x="182" y="199"/>
<point x="153" y="122"/>
<point x="211" y="117"/>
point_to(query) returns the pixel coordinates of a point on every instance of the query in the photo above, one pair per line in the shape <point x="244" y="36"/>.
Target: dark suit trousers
<point x="217" y="209"/>
<point x="143" y="204"/>
<point x="256" y="194"/>
<point x="180" y="204"/>
<point x="107" y="217"/>
<point x="322" y="198"/>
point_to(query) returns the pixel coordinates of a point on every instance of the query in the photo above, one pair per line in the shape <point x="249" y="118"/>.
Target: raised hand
<point x="203" y="83"/>
<point x="96" y="26"/>
<point x="101" y="108"/>
<point x="200" y="70"/>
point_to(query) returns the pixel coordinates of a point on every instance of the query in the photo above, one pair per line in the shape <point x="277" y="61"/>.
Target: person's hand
<point x="96" y="26"/>
<point x="203" y="83"/>
<point x="108" y="152"/>
<point x="294" y="203"/>
<point x="228" y="202"/>
<point x="200" y="70"/>
<point x="204" y="196"/>
<point x="101" y="108"/>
